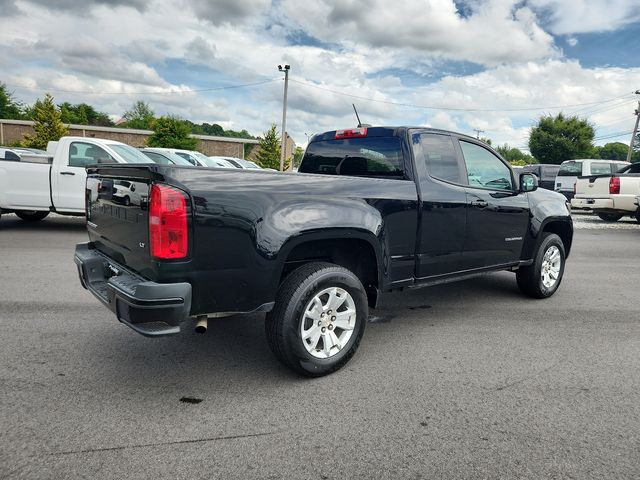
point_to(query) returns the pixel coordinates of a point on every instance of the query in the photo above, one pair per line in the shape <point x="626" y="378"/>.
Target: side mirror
<point x="528" y="182"/>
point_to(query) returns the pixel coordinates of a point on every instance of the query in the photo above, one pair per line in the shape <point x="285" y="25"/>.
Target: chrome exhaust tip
<point x="201" y="326"/>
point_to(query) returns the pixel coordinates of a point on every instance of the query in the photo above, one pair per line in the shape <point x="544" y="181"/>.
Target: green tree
<point x="613" y="151"/>
<point x="268" y="155"/>
<point x="47" y="124"/>
<point x="140" y="115"/>
<point x="10" y="109"/>
<point x="514" y="155"/>
<point x="297" y="157"/>
<point x="83" y="114"/>
<point x="171" y="132"/>
<point x="560" y="138"/>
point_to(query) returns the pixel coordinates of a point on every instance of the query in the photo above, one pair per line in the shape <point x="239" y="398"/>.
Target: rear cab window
<point x="600" y="168"/>
<point x="570" y="169"/>
<point x="375" y="157"/>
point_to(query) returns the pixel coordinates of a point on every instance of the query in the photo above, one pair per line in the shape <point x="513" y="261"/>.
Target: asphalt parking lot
<point x="467" y="380"/>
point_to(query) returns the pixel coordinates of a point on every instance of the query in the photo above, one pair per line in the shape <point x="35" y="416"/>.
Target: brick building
<point x="13" y="131"/>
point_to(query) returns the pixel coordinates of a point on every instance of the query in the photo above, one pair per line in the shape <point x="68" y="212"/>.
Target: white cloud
<point x="497" y="30"/>
<point x="583" y="16"/>
<point x="388" y="53"/>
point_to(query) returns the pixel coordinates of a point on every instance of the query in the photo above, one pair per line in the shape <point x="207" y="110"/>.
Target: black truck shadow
<point x="235" y="349"/>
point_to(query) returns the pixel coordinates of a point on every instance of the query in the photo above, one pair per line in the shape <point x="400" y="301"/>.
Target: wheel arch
<point x="355" y="250"/>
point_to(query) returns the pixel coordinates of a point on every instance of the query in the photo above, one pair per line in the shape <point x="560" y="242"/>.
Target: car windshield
<point x="570" y="169"/>
<point x="201" y="157"/>
<point x="234" y="162"/>
<point x="249" y="164"/>
<point x="130" y="154"/>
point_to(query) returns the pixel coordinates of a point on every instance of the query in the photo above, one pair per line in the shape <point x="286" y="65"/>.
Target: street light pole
<point x="284" y="115"/>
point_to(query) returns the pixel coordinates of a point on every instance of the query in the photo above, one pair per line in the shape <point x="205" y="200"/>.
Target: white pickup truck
<point x="611" y="197"/>
<point x="32" y="186"/>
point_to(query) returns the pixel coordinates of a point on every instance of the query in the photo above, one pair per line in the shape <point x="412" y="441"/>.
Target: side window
<point x="441" y="158"/>
<point x="484" y="169"/>
<point x="84" y="154"/>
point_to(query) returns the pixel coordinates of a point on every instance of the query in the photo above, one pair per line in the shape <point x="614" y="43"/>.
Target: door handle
<point x="480" y="203"/>
<point x="67" y="173"/>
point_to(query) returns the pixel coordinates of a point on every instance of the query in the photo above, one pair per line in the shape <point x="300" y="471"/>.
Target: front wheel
<point x="31" y="216"/>
<point x="610" y="217"/>
<point x="318" y="319"/>
<point x="543" y="277"/>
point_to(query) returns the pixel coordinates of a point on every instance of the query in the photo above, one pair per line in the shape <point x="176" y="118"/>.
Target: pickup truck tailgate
<point x="595" y="186"/>
<point x="118" y="216"/>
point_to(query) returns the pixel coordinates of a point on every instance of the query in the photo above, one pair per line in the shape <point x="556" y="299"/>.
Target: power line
<point x="613" y="135"/>
<point x="429" y="107"/>
<point x="170" y="92"/>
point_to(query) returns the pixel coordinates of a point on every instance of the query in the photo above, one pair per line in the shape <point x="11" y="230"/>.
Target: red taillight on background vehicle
<point x="614" y="185"/>
<point x="168" y="235"/>
<point x="352" y="133"/>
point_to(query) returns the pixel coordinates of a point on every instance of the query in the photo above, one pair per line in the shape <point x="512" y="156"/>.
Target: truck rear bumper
<point x="621" y="203"/>
<point x="591" y="203"/>
<point x="151" y="309"/>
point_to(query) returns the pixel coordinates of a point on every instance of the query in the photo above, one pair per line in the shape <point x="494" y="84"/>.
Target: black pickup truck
<point x="371" y="210"/>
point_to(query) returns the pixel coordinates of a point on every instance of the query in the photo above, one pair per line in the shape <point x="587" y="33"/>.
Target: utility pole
<point x="478" y="132"/>
<point x="635" y="130"/>
<point x="284" y="115"/>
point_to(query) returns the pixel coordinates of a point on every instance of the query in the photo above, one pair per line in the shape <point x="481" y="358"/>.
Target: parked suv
<point x="570" y="170"/>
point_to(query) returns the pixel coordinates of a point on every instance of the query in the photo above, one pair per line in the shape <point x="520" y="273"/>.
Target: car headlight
<point x="568" y="204"/>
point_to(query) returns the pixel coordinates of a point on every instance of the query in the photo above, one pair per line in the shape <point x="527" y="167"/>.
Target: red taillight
<point x="614" y="185"/>
<point x="352" y="132"/>
<point x="168" y="235"/>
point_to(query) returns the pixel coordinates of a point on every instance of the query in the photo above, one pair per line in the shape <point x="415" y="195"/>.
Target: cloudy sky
<point x="493" y="65"/>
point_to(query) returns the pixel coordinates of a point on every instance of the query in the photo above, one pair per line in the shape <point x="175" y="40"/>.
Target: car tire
<point x="31" y="216"/>
<point x="637" y="216"/>
<point x="536" y="280"/>
<point x="610" y="217"/>
<point x="127" y="201"/>
<point x="319" y="317"/>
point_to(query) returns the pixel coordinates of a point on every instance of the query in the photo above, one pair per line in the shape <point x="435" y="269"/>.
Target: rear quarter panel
<point x="246" y="223"/>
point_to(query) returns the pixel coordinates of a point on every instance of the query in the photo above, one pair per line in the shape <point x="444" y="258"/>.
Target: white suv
<point x="570" y="170"/>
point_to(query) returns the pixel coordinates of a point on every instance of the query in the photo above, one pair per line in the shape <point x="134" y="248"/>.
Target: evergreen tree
<point x="47" y="124"/>
<point x="10" y="109"/>
<point x="268" y="155"/>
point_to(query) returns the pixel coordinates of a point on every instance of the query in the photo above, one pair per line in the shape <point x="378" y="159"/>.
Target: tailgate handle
<point x="67" y="173"/>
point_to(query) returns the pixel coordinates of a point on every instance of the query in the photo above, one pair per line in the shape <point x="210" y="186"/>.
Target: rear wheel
<point x="31" y="216"/>
<point x="542" y="278"/>
<point x="610" y="217"/>
<point x="318" y="319"/>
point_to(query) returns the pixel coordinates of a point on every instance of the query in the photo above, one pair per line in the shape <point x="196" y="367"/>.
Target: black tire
<point x="127" y="201"/>
<point x="31" y="216"/>
<point x="637" y="216"/>
<point x="283" y="323"/>
<point x="610" y="217"/>
<point x="530" y="279"/>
